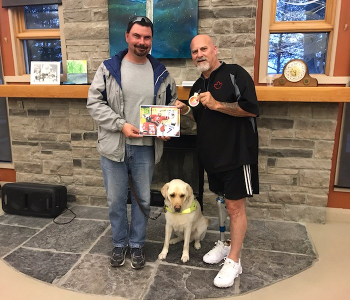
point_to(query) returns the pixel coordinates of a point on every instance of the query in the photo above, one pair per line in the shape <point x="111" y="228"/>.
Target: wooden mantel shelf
<point x="264" y="93"/>
<point x="44" y="91"/>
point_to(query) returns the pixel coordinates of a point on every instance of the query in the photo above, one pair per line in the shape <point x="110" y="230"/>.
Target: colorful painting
<point x="119" y="14"/>
<point x="175" y="24"/>
<point x="77" y="71"/>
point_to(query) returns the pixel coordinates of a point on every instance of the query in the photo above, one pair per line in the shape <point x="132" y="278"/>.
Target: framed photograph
<point x="45" y="72"/>
<point x="158" y="120"/>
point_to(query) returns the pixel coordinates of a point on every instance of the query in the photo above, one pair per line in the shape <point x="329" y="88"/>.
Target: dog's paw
<point x="197" y="245"/>
<point x="185" y="258"/>
<point x="175" y="240"/>
<point x="162" y="255"/>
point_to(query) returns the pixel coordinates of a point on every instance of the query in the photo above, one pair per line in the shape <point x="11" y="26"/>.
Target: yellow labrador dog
<point x="184" y="216"/>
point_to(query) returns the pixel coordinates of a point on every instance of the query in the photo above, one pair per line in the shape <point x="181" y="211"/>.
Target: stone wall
<point x="54" y="141"/>
<point x="295" y="152"/>
<point x="231" y="23"/>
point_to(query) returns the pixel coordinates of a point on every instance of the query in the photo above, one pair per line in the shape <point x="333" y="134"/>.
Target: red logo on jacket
<point x="218" y="85"/>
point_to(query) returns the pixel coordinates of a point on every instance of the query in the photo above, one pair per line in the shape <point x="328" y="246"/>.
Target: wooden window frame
<point x="329" y="24"/>
<point x="11" y="3"/>
<point x="19" y="33"/>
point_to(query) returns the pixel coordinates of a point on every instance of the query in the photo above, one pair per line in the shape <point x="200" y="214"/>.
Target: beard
<point x="203" y="66"/>
<point x="141" y="50"/>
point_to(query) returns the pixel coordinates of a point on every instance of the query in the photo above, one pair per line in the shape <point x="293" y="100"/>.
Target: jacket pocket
<point x="109" y="143"/>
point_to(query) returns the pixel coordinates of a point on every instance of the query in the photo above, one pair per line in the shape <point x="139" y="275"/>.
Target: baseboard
<point x="337" y="215"/>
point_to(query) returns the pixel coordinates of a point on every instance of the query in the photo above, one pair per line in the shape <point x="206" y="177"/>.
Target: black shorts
<point x="235" y="184"/>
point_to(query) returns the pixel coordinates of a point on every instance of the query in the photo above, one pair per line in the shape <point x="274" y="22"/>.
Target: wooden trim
<point x="9" y="3"/>
<point x="18" y="26"/>
<point x="342" y="57"/>
<point x="291" y="94"/>
<point x="264" y="40"/>
<point x="303" y="94"/>
<point x="21" y="33"/>
<point x="269" y="25"/>
<point x="39" y="34"/>
<point x="337" y="199"/>
<point x="258" y="24"/>
<point x="44" y="91"/>
<point x="273" y="8"/>
<point x="330" y="11"/>
<point x="7" y="174"/>
<point x="264" y="93"/>
<point x="300" y="26"/>
<point x="63" y="44"/>
<point x="6" y="43"/>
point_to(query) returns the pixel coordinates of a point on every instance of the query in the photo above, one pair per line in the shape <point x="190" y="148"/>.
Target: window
<point x="36" y="36"/>
<point x="304" y="29"/>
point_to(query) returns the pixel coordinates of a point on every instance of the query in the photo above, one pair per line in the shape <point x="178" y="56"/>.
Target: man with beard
<point x="121" y="84"/>
<point x="227" y="142"/>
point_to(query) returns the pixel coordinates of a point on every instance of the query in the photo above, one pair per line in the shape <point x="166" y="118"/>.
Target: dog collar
<point x="187" y="210"/>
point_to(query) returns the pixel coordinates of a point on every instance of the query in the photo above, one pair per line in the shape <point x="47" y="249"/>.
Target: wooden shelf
<point x="293" y="94"/>
<point x="44" y="91"/>
<point x="264" y="93"/>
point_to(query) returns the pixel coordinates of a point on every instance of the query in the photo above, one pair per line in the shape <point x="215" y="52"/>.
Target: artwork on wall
<point x="119" y="13"/>
<point x="45" y="72"/>
<point x="175" y="23"/>
<point x="77" y="71"/>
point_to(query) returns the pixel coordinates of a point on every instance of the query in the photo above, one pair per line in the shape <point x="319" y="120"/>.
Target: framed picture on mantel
<point x="45" y="72"/>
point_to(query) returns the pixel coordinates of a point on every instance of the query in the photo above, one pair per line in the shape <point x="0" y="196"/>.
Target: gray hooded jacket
<point x="106" y="105"/>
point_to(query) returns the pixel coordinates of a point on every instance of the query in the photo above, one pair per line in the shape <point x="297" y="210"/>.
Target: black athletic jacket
<point x="225" y="142"/>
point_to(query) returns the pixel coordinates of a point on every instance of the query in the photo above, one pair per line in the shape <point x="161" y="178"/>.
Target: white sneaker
<point x="218" y="253"/>
<point x="228" y="273"/>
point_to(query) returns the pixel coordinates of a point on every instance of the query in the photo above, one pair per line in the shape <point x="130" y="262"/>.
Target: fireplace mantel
<point x="264" y="93"/>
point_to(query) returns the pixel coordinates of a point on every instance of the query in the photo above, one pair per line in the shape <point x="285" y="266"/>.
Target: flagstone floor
<point x="75" y="256"/>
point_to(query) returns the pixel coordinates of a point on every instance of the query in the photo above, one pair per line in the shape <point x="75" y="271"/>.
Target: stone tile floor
<point x="75" y="256"/>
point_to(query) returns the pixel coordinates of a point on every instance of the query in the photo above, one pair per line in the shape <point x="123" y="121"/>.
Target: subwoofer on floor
<point x="34" y="199"/>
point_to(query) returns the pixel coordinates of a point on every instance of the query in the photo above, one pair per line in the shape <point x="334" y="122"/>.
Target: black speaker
<point x="34" y="199"/>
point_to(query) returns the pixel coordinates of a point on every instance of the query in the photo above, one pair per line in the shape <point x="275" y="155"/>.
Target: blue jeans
<point x="139" y="161"/>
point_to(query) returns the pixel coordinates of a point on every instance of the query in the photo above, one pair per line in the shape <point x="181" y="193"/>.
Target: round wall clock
<point x="295" y="73"/>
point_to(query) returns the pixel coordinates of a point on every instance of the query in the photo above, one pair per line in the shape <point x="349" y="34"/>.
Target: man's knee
<point x="235" y="207"/>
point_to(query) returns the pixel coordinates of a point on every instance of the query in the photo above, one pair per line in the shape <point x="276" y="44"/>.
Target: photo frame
<point x="45" y="72"/>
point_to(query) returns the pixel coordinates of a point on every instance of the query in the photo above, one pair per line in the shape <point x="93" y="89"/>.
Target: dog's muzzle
<point x="177" y="208"/>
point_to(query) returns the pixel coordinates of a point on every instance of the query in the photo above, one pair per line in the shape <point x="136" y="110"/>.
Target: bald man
<point x="227" y="142"/>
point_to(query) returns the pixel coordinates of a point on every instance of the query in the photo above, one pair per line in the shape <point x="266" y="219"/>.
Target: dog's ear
<point x="164" y="190"/>
<point x="189" y="190"/>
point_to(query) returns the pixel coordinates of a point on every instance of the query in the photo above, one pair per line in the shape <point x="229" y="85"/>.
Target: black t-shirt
<point x="226" y="142"/>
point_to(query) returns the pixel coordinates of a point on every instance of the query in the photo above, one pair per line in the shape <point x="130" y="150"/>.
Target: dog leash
<point x="137" y="199"/>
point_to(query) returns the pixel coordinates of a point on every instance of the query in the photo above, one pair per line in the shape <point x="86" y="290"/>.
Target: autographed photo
<point x="158" y="120"/>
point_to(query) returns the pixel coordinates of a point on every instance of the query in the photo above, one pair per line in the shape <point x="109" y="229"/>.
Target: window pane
<point x="300" y="10"/>
<point x="41" y="50"/>
<point x="41" y="16"/>
<point x="311" y="47"/>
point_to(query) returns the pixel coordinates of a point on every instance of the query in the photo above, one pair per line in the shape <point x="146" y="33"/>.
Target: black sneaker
<point x="137" y="258"/>
<point x="118" y="256"/>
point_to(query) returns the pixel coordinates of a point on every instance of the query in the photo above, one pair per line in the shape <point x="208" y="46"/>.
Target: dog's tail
<point x="207" y="221"/>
